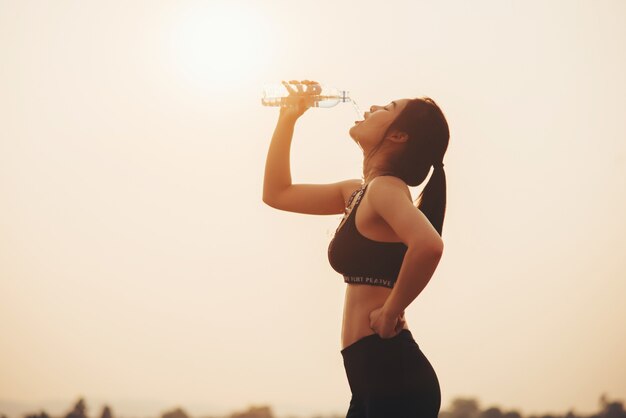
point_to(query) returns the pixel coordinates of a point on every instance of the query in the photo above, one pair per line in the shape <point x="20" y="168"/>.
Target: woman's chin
<point x="351" y="132"/>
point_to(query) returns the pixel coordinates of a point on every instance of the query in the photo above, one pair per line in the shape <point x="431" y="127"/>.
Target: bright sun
<point x="218" y="42"/>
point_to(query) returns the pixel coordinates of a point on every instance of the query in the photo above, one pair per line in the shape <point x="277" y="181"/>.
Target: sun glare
<point x="216" y="43"/>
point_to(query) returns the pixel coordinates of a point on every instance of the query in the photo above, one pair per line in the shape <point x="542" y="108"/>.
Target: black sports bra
<point x="360" y="259"/>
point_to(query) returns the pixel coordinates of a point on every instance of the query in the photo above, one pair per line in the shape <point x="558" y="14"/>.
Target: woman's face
<point x="369" y="132"/>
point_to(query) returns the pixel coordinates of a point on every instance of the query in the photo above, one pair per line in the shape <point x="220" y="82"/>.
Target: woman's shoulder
<point x="388" y="180"/>
<point x="385" y="186"/>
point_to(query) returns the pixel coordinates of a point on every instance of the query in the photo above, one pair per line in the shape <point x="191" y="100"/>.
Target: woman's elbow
<point x="432" y="248"/>
<point x="438" y="247"/>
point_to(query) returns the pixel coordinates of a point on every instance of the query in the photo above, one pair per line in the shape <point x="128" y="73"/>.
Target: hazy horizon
<point x="146" y="408"/>
<point x="138" y="261"/>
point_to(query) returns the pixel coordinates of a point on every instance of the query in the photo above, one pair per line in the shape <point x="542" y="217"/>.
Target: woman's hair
<point x="428" y="132"/>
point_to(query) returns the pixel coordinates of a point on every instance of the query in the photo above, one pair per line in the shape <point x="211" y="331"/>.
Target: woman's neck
<point x="373" y="173"/>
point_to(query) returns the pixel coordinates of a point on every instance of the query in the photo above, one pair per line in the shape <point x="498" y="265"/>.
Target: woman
<point x="386" y="252"/>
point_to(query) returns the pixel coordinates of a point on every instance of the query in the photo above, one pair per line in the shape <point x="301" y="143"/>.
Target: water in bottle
<point x="278" y="95"/>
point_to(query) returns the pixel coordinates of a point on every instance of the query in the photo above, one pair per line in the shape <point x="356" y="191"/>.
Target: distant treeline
<point x="459" y="408"/>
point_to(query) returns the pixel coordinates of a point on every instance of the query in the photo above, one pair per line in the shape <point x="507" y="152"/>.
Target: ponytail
<point x="432" y="199"/>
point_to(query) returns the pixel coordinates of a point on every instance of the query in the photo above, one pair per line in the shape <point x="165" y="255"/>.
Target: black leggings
<point x="390" y="378"/>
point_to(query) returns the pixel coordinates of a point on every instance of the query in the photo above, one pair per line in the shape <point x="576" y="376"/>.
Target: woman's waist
<point x="360" y="301"/>
<point x="364" y="296"/>
<point x="356" y="325"/>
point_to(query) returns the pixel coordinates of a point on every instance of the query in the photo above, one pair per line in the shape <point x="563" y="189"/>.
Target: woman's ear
<point x="398" y="136"/>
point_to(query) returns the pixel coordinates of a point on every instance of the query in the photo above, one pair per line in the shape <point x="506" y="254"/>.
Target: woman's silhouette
<point x="386" y="251"/>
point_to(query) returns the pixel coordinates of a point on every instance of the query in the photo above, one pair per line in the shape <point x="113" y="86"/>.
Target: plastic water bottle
<point x="278" y="95"/>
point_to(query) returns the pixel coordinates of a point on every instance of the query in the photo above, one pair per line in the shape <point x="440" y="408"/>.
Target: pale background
<point x="138" y="261"/>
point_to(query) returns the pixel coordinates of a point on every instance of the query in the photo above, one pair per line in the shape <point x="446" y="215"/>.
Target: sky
<point x="138" y="261"/>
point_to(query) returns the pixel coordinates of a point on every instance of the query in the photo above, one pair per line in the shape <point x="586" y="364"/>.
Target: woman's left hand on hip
<point x="384" y="326"/>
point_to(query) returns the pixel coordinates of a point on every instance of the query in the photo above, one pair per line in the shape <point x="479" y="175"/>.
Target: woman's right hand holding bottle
<point x="299" y="100"/>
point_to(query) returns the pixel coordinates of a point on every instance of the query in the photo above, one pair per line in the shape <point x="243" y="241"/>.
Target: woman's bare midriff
<point x="360" y="300"/>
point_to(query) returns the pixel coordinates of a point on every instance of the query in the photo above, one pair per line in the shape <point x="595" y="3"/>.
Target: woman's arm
<point x="388" y="197"/>
<point x="278" y="190"/>
<point x="416" y="271"/>
<point x="277" y="166"/>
